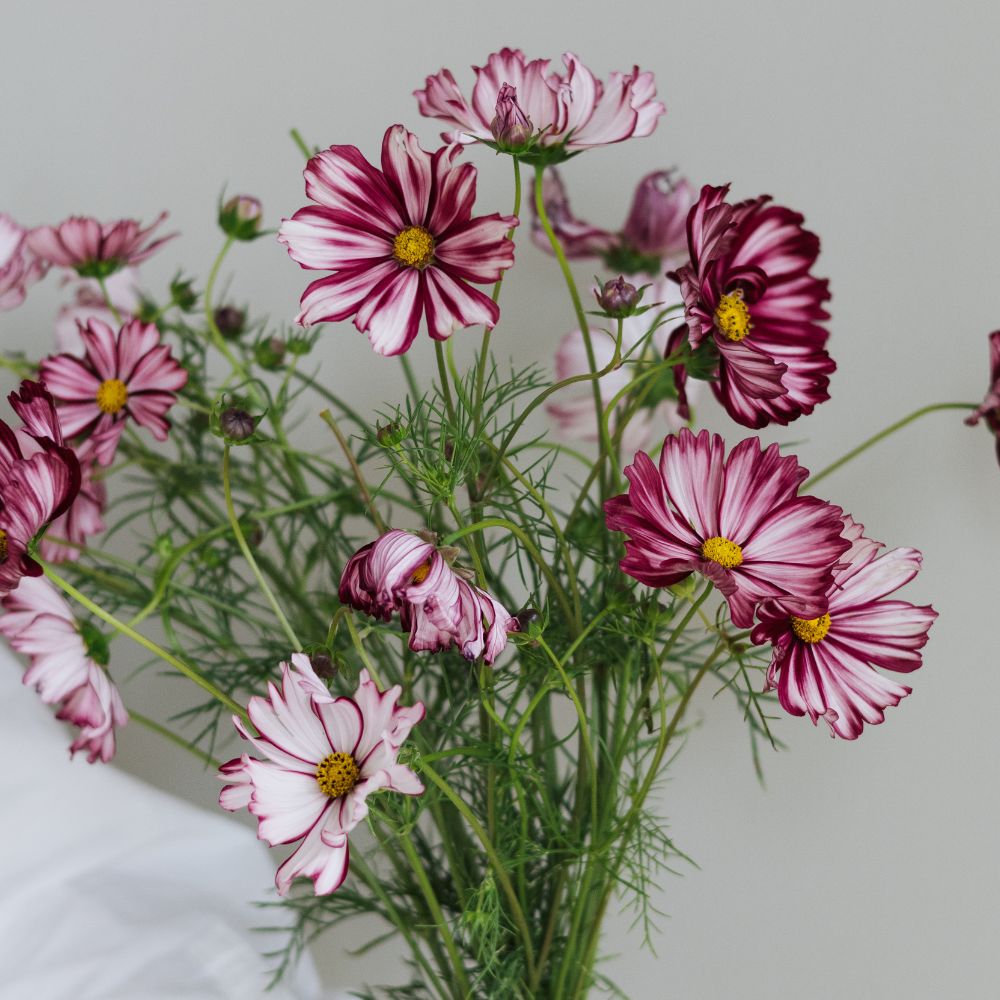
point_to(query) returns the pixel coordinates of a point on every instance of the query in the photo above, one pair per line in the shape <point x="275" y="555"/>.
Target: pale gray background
<point x="866" y="869"/>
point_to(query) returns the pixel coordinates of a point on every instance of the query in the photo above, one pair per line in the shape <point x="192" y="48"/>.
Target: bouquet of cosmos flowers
<point x="457" y="655"/>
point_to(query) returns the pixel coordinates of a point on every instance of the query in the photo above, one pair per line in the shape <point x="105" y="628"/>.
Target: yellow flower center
<point x="337" y="774"/>
<point x="414" y="247"/>
<point x="722" y="551"/>
<point x="732" y="316"/>
<point x="811" y="629"/>
<point x="421" y="573"/>
<point x="112" y="395"/>
<point x="3" y="546"/>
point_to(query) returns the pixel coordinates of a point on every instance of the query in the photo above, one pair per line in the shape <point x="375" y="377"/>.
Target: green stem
<point x="169" y="734"/>
<point x="301" y="143"/>
<point x="107" y="299"/>
<point x="213" y="329"/>
<point x="443" y="376"/>
<point x="328" y="418"/>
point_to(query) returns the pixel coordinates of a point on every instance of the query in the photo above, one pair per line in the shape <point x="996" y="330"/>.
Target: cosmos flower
<point x="738" y="521"/>
<point x="125" y="375"/>
<point x="67" y="665"/>
<point x="825" y="667"/>
<point x="95" y="249"/>
<point x="320" y="759"/>
<point x="84" y="516"/>
<point x="990" y="408"/>
<point x="571" y="110"/>
<point x="19" y="267"/>
<point x="751" y="298"/>
<point x="401" y="573"/>
<point x="402" y="243"/>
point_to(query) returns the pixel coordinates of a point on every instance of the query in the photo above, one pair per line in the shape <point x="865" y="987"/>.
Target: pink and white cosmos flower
<point x="64" y="669"/>
<point x="402" y="573"/>
<point x="321" y="757"/>
<point x="989" y="410"/>
<point x="95" y="249"/>
<point x="128" y="374"/>
<point x="401" y="242"/>
<point x="573" y="109"/>
<point x="19" y="267"/>
<point x="824" y="667"/>
<point x="750" y="294"/>
<point x="737" y="521"/>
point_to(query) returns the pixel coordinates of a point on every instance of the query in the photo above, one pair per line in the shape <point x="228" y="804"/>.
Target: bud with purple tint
<point x="240" y="217"/>
<point x="656" y="223"/>
<point x="511" y="127"/>
<point x="618" y="297"/>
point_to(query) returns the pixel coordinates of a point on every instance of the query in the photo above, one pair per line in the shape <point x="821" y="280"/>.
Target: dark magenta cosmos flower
<point x="401" y="241"/>
<point x="321" y="759"/>
<point x="737" y="521"/>
<point x="84" y="516"/>
<point x="824" y="667"/>
<point x="750" y="297"/>
<point x="19" y="267"/>
<point x="96" y="249"/>
<point x="573" y="110"/>
<point x="402" y="573"/>
<point x="128" y="374"/>
<point x="990" y="408"/>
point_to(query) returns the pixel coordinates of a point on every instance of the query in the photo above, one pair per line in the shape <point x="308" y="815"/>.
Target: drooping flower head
<point x="320" y="759"/>
<point x="19" y="267"/>
<point x="579" y="239"/>
<point x="39" y="480"/>
<point x="402" y="243"/>
<point x="825" y="667"/>
<point x="570" y="111"/>
<point x="95" y="249"/>
<point x="750" y="297"/>
<point x="738" y="521"/>
<point x="990" y="408"/>
<point x="401" y="573"/>
<point x="125" y="375"/>
<point x="68" y="658"/>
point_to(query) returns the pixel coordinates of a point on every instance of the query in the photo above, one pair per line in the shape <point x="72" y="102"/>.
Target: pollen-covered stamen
<point x="3" y="546"/>
<point x="337" y="774"/>
<point x="112" y="395"/>
<point x="811" y="629"/>
<point x="722" y="551"/>
<point x="414" y="247"/>
<point x="732" y="316"/>
<point x="421" y="572"/>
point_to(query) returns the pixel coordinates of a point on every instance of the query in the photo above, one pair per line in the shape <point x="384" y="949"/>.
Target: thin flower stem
<point x="152" y="647"/>
<point x="328" y="418"/>
<point x="301" y="143"/>
<point x="411" y="378"/>
<point x="213" y="329"/>
<point x="883" y="434"/>
<point x="443" y="376"/>
<point x="169" y="734"/>
<point x="107" y="300"/>
<point x="248" y="555"/>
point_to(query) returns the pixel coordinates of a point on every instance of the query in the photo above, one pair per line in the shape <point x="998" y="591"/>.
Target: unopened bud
<point x="323" y="666"/>
<point x="240" y="217"/>
<point x="511" y="127"/>
<point x="182" y="293"/>
<point x="236" y="424"/>
<point x="390" y="435"/>
<point x="229" y="321"/>
<point x="270" y="353"/>
<point x="618" y="297"/>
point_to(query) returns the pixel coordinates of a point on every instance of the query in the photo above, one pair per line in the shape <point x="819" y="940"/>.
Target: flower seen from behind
<point x="19" y="266"/>
<point x="989" y="410"/>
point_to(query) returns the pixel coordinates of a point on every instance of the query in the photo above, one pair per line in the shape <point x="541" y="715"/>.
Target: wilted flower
<point x="94" y="249"/>
<point x="737" y="521"/>
<point x="990" y="408"/>
<point x="571" y="110"/>
<point x="322" y="758"/>
<point x="401" y="241"/>
<point x="511" y="127"/>
<point x="748" y="292"/>
<point x="67" y="665"/>
<point x="128" y="374"/>
<point x="825" y="667"/>
<point x="240" y="217"/>
<point x="402" y="573"/>
<point x="19" y="267"/>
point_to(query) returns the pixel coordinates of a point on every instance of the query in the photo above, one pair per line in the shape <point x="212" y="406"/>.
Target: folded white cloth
<point x="115" y="890"/>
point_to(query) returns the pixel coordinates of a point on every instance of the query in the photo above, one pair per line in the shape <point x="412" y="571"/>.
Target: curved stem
<point x="328" y="418"/>
<point x="213" y="329"/>
<point x="882" y="435"/>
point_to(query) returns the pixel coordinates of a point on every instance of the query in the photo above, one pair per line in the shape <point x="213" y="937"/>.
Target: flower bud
<point x="270" y="353"/>
<point x="182" y="293"/>
<point x="618" y="297"/>
<point x="236" y="424"/>
<point x="240" y="217"/>
<point x="229" y="321"/>
<point x="390" y="435"/>
<point x="323" y="665"/>
<point x="511" y="127"/>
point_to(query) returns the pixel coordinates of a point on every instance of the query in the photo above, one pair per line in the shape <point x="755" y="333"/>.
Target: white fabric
<point x="114" y="890"/>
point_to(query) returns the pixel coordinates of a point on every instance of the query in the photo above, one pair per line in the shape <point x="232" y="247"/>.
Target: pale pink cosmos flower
<point x="737" y="521"/>
<point x="401" y="573"/>
<point x="402" y="243"/>
<point x="825" y="667"/>
<point x="95" y="249"/>
<point x="67" y="665"/>
<point x="572" y="408"/>
<point x="19" y="267"/>
<point x="130" y="374"/>
<point x="89" y="303"/>
<point x="572" y="109"/>
<point x="321" y="757"/>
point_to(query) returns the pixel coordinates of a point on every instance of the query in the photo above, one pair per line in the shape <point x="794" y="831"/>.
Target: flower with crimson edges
<point x="570" y="111"/>
<point x="402" y="573"/>
<point x="19" y="267"/>
<point x="128" y="374"/>
<point x="751" y="299"/>
<point x="825" y="667"/>
<point x="402" y="243"/>
<point x="67" y="665"/>
<point x="84" y="516"/>
<point x="738" y="521"/>
<point x="96" y="249"/>
<point x="989" y="410"/>
<point x="321" y="757"/>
